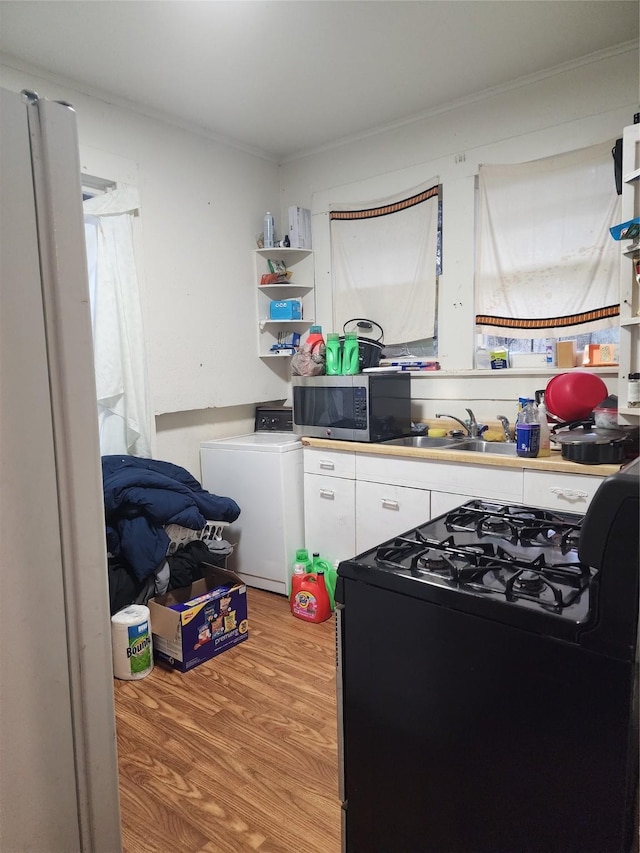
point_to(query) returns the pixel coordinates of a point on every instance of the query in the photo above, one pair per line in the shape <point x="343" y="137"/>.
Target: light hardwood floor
<point x="240" y="753"/>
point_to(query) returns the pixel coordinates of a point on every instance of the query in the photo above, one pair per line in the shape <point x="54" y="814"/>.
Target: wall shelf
<point x="301" y="286"/>
<point x="629" y="347"/>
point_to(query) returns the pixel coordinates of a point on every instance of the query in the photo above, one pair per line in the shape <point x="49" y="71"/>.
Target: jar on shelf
<point x="633" y="390"/>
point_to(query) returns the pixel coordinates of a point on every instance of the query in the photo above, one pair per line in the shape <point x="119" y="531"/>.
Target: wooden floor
<point x="240" y="753"/>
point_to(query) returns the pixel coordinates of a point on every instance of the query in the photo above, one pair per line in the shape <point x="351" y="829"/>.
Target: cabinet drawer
<point x="475" y="481"/>
<point x="330" y="463"/>
<point x="569" y="492"/>
<point x="384" y="511"/>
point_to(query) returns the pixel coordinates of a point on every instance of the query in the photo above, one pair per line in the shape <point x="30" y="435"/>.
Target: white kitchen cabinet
<point x="330" y="503"/>
<point x="300" y="286"/>
<point x="464" y="480"/>
<point x="384" y="511"/>
<point x="562" y="492"/>
<point x="355" y="501"/>
<point x="629" y="288"/>
<point x="442" y="502"/>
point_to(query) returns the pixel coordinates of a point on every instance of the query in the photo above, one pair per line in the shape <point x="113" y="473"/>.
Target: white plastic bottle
<point x="268" y="228"/>
<point x="545" y="431"/>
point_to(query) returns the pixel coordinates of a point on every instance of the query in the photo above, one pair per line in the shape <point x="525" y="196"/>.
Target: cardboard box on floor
<point x="194" y="624"/>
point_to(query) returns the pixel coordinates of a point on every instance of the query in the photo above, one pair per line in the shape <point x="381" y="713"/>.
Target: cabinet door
<point x="384" y="511"/>
<point x="442" y="502"/>
<point x="329" y="516"/>
<point x="568" y="492"/>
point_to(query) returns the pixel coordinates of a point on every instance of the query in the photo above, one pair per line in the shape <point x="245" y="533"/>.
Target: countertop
<point x="553" y="464"/>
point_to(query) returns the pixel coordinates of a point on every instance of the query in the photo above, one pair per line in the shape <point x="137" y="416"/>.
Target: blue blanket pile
<point x="143" y="495"/>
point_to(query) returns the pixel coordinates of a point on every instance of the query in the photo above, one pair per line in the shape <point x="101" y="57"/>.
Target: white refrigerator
<point x="58" y="759"/>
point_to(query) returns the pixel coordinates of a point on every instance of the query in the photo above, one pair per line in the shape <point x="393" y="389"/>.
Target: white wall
<point x="583" y="104"/>
<point x="202" y="205"/>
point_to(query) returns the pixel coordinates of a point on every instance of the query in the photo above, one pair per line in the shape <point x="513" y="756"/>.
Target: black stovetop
<point x="518" y="557"/>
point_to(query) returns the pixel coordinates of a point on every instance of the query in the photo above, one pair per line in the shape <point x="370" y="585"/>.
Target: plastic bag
<point x="309" y="360"/>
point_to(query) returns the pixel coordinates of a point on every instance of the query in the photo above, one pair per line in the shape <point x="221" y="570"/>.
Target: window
<point x="389" y="252"/>
<point x="545" y="264"/>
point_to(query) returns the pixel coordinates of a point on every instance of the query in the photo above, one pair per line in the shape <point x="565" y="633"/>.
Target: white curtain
<point x="383" y="259"/>
<point x="124" y="411"/>
<point x="546" y="265"/>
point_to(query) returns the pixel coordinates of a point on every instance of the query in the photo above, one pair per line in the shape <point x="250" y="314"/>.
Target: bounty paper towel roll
<point x="131" y="643"/>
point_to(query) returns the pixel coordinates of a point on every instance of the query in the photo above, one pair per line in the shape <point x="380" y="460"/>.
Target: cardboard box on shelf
<point x="600" y="354"/>
<point x="300" y="228"/>
<point x="499" y="359"/>
<point x="566" y="353"/>
<point x="285" y="309"/>
<point x="194" y="624"/>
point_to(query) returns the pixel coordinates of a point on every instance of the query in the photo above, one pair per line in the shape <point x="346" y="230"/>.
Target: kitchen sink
<point x="424" y="441"/>
<point x="477" y="445"/>
<point x="469" y="445"/>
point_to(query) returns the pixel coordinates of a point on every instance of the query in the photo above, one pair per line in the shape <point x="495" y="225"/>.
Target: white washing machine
<point x="263" y="473"/>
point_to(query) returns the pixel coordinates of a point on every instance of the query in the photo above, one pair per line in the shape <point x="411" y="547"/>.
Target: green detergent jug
<point x="330" y="576"/>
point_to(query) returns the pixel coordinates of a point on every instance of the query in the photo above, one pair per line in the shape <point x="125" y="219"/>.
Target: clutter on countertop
<point x="369" y="348"/>
<point x="310" y="359"/>
<point x="573" y="396"/>
<point x="499" y="358"/>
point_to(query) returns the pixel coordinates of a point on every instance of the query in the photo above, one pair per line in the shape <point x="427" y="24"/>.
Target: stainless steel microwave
<point x="366" y="407"/>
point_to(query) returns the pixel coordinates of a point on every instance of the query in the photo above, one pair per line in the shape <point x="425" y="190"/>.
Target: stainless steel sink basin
<point x="424" y="441"/>
<point x="469" y="445"/>
<point x="477" y="445"/>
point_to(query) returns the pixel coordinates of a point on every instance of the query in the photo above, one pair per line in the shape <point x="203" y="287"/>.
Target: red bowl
<point x="573" y="396"/>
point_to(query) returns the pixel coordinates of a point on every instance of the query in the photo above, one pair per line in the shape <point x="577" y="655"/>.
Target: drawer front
<point x="569" y="492"/>
<point x="475" y="481"/>
<point x="384" y="511"/>
<point x="330" y="463"/>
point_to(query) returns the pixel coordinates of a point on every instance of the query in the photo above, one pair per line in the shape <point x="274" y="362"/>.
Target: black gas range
<point x="523" y="561"/>
<point x="488" y="681"/>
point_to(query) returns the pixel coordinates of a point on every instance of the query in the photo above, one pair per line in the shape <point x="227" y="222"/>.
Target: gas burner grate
<point x="518" y="525"/>
<point x="487" y="567"/>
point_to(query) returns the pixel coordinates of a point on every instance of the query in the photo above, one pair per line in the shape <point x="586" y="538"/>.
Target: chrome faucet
<point x="505" y="425"/>
<point x="472" y="426"/>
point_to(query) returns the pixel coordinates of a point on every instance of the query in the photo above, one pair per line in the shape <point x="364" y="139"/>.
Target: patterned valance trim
<point x="551" y="322"/>
<point x="385" y="210"/>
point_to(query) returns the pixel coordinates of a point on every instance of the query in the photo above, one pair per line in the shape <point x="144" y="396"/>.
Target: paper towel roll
<point x="131" y="643"/>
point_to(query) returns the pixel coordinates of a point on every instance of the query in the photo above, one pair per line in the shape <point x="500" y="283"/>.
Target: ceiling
<point x="285" y="77"/>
